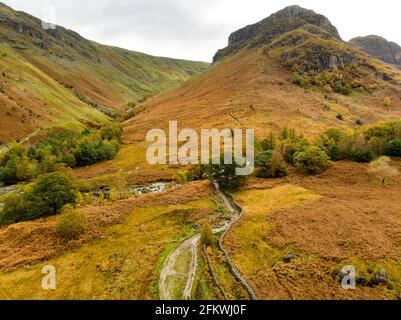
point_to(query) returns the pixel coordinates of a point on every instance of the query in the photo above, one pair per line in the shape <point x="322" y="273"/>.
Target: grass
<point x="53" y="80"/>
<point x="204" y="288"/>
<point x="252" y="251"/>
<point x="124" y="265"/>
<point x="181" y="267"/>
<point x="368" y="269"/>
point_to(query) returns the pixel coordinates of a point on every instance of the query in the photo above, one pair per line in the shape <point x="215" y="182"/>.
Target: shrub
<point x="387" y="102"/>
<point x="393" y="148"/>
<point x="364" y="155"/>
<point x="14" y="209"/>
<point x="85" y="155"/>
<point x="269" y="143"/>
<point x="111" y="132"/>
<point x="382" y="169"/>
<point x="342" y="88"/>
<point x="70" y="224"/>
<point x="183" y="176"/>
<point x="312" y="161"/>
<point x="51" y="193"/>
<point x="278" y="165"/>
<point x="207" y="236"/>
<point x="345" y="147"/>
<point x="271" y="164"/>
<point x="289" y="149"/>
<point x="377" y="145"/>
<point x="359" y="122"/>
<point x="225" y="174"/>
<point x="362" y="152"/>
<point x="198" y="172"/>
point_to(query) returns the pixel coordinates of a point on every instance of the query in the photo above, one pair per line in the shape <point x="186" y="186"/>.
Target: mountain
<point x="379" y="48"/>
<point x="291" y="69"/>
<point x="55" y="76"/>
<point x="265" y="31"/>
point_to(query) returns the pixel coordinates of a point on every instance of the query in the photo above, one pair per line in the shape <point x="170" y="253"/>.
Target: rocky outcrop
<point x="319" y="56"/>
<point x="269" y="29"/>
<point x="379" y="48"/>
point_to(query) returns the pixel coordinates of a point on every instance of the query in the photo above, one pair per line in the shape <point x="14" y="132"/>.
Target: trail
<point x="169" y="271"/>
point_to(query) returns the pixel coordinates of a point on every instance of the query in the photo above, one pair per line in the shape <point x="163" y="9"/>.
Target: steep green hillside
<point x="56" y="74"/>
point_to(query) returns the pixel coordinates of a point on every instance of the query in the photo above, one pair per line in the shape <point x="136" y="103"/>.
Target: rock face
<point x="379" y="48"/>
<point x="265" y="31"/>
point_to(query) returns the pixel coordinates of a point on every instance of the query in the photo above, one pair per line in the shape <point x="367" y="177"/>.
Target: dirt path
<point x="169" y="269"/>
<point x="190" y="246"/>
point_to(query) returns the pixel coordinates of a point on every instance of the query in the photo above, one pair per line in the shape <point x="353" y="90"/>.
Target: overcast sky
<point x="195" y="29"/>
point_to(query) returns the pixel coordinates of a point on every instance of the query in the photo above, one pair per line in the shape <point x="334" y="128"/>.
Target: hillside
<point x="292" y="69"/>
<point x="54" y="76"/>
<point x="124" y="229"/>
<point x="379" y="48"/>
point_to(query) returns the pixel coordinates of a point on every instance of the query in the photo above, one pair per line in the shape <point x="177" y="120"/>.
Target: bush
<point x="14" y="209"/>
<point x="112" y="132"/>
<point x="382" y="169"/>
<point x="289" y="150"/>
<point x="207" y="236"/>
<point x="271" y="164"/>
<point x="312" y="161"/>
<point x="70" y="224"/>
<point x="50" y="193"/>
<point x="387" y="102"/>
<point x="225" y="174"/>
<point x="364" y="155"/>
<point x="198" y="172"/>
<point x="393" y="148"/>
<point x="342" y="88"/>
<point x="183" y="176"/>
<point x="362" y="152"/>
<point x="359" y="122"/>
<point x="85" y="155"/>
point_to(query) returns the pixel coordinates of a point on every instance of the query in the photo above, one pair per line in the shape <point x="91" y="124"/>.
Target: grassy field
<point x="322" y="223"/>
<point x="123" y="263"/>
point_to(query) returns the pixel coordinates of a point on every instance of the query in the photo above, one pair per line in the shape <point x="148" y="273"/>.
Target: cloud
<point x="195" y="29"/>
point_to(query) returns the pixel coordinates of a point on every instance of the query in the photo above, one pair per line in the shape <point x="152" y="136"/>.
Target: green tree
<point x="225" y="174"/>
<point x="362" y="151"/>
<point x="85" y="155"/>
<point x="50" y="193"/>
<point x="312" y="160"/>
<point x="393" y="148"/>
<point x="111" y="132"/>
<point x="269" y="143"/>
<point x="207" y="236"/>
<point x="271" y="164"/>
<point x="14" y="209"/>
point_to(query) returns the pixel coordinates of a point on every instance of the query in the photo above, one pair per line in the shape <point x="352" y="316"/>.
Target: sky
<point x="196" y="29"/>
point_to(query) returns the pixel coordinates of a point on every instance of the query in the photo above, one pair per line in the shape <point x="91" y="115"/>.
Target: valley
<point x="78" y="192"/>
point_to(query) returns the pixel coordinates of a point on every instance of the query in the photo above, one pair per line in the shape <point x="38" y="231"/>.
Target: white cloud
<point x="195" y="29"/>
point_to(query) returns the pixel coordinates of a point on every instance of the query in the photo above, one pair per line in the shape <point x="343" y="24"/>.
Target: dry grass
<point x="253" y="91"/>
<point x="121" y="264"/>
<point x="338" y="218"/>
<point x="31" y="242"/>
